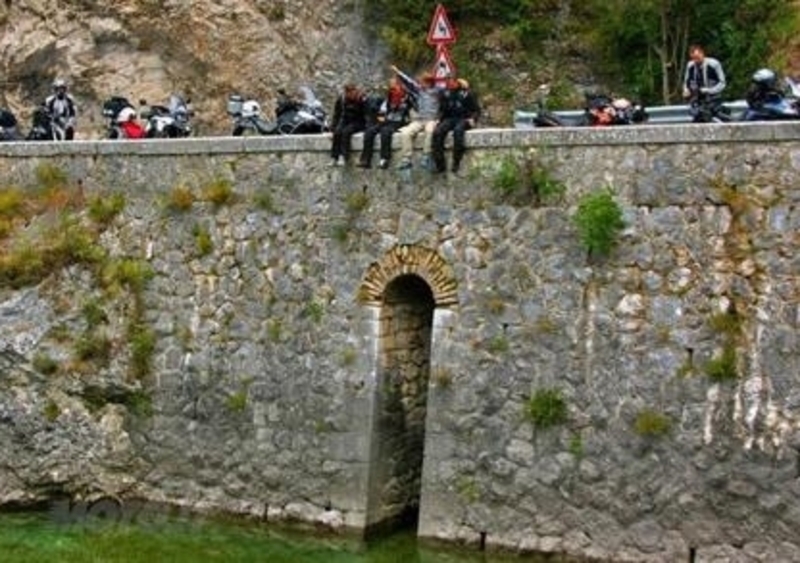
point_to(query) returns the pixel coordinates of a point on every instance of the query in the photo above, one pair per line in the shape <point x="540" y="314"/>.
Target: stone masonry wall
<point x="267" y="360"/>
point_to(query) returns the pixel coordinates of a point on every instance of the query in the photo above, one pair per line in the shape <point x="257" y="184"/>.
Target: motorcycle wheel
<point x="237" y="131"/>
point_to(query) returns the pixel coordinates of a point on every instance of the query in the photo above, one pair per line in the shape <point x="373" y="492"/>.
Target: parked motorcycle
<point x="111" y="110"/>
<point x="300" y="116"/>
<point x="170" y="121"/>
<point x="9" y="127"/>
<point x="603" y="110"/>
<point x="46" y="127"/>
<point x="247" y="118"/>
<point x="768" y="101"/>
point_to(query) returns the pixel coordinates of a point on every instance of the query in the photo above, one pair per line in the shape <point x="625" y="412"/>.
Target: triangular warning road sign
<point x="444" y="66"/>
<point x="441" y="31"/>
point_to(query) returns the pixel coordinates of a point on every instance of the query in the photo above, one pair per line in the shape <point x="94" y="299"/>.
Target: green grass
<point x="599" y="221"/>
<point x="546" y="408"/>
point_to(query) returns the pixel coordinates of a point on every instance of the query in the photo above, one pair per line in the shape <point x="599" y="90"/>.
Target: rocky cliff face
<point x="205" y="49"/>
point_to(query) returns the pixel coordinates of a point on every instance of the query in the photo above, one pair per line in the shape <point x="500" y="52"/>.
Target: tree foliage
<point x="638" y="47"/>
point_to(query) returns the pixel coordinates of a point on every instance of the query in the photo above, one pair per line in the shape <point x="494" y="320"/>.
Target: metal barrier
<point x="657" y="115"/>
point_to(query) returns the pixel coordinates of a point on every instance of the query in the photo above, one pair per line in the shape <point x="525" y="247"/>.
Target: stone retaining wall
<point x="267" y="367"/>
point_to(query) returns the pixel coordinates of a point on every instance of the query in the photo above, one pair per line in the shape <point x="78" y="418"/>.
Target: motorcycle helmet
<point x="59" y="84"/>
<point x="765" y="78"/>
<point x="126" y="114"/>
<point x="251" y="108"/>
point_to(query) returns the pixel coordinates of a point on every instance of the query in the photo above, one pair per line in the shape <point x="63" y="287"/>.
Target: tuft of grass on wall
<point x="599" y="221"/>
<point x="652" y="424"/>
<point x="142" y="343"/>
<point x="219" y="192"/>
<point x="723" y="367"/>
<point x="202" y="240"/>
<point x="546" y="408"/>
<point x="103" y="209"/>
<point x="180" y="199"/>
<point x="44" y="364"/>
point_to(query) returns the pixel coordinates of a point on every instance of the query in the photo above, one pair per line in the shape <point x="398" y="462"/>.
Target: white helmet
<point x="765" y="77"/>
<point x="251" y="108"/>
<point x="59" y="83"/>
<point x="126" y="114"/>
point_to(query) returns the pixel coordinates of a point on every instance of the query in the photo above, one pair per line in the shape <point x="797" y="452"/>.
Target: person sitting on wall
<point x="349" y="118"/>
<point x="392" y="115"/>
<point x="458" y="112"/>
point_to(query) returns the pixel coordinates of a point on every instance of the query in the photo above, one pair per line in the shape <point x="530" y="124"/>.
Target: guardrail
<point x="657" y="115"/>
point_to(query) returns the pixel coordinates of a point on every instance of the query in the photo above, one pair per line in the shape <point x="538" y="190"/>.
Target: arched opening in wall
<point x="398" y="435"/>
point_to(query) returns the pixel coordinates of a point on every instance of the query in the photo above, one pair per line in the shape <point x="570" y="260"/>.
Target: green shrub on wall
<point x="599" y="221"/>
<point x="546" y="408"/>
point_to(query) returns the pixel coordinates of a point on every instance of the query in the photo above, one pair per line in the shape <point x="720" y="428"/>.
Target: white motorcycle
<point x="170" y="121"/>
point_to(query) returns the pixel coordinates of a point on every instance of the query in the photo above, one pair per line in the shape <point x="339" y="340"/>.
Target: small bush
<point x="507" y="181"/>
<point x="599" y="221"/>
<point x="237" y="402"/>
<point x="50" y="177"/>
<point x="728" y="323"/>
<point x="202" y="240"/>
<point x="526" y="183"/>
<point x="11" y="202"/>
<point x="93" y="347"/>
<point x="651" y="424"/>
<point x="94" y="314"/>
<point x="264" y="201"/>
<point x="142" y="342"/>
<point x="498" y="344"/>
<point x="139" y="403"/>
<point x="546" y="408"/>
<point x="341" y="233"/>
<point x="219" y="192"/>
<point x="348" y="357"/>
<point x="180" y="199"/>
<point x="44" y="364"/>
<point x="132" y="273"/>
<point x="723" y="367"/>
<point x="102" y="210"/>
<point x="274" y="330"/>
<point x="315" y="311"/>
<point x="51" y="411"/>
<point x="356" y="202"/>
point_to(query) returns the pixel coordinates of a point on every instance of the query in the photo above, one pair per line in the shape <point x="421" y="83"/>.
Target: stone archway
<point x="406" y="290"/>
<point x="410" y="259"/>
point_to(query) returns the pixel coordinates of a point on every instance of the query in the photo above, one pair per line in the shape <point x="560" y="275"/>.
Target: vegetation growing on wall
<point x="599" y="222"/>
<point x="524" y="180"/>
<point x="650" y="423"/>
<point x="546" y="408"/>
<point x="50" y="226"/>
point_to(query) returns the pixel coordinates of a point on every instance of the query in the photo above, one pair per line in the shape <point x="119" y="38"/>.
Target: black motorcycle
<point x="9" y="126"/>
<point x="768" y="101"/>
<point x="300" y="116"/>
<point x="707" y="108"/>
<point x="47" y="127"/>
<point x="170" y="121"/>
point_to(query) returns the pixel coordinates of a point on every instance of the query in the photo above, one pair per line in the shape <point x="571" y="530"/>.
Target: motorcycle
<point x="603" y="110"/>
<point x="9" y="130"/>
<point x="705" y="108"/>
<point x="46" y="127"/>
<point x="766" y="101"/>
<point x="170" y="121"/>
<point x="111" y="110"/>
<point x="247" y="118"/>
<point x="292" y="116"/>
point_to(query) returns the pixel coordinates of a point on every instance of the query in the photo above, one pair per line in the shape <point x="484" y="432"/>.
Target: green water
<point x="35" y="538"/>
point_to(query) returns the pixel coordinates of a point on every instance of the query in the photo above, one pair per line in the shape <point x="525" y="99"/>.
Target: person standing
<point x="392" y="115"/>
<point x="61" y="107"/>
<point x="703" y="83"/>
<point x="349" y="118"/>
<point x="424" y="97"/>
<point x="458" y="112"/>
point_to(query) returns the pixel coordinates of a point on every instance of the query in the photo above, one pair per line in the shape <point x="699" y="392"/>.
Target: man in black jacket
<point x="458" y="112"/>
